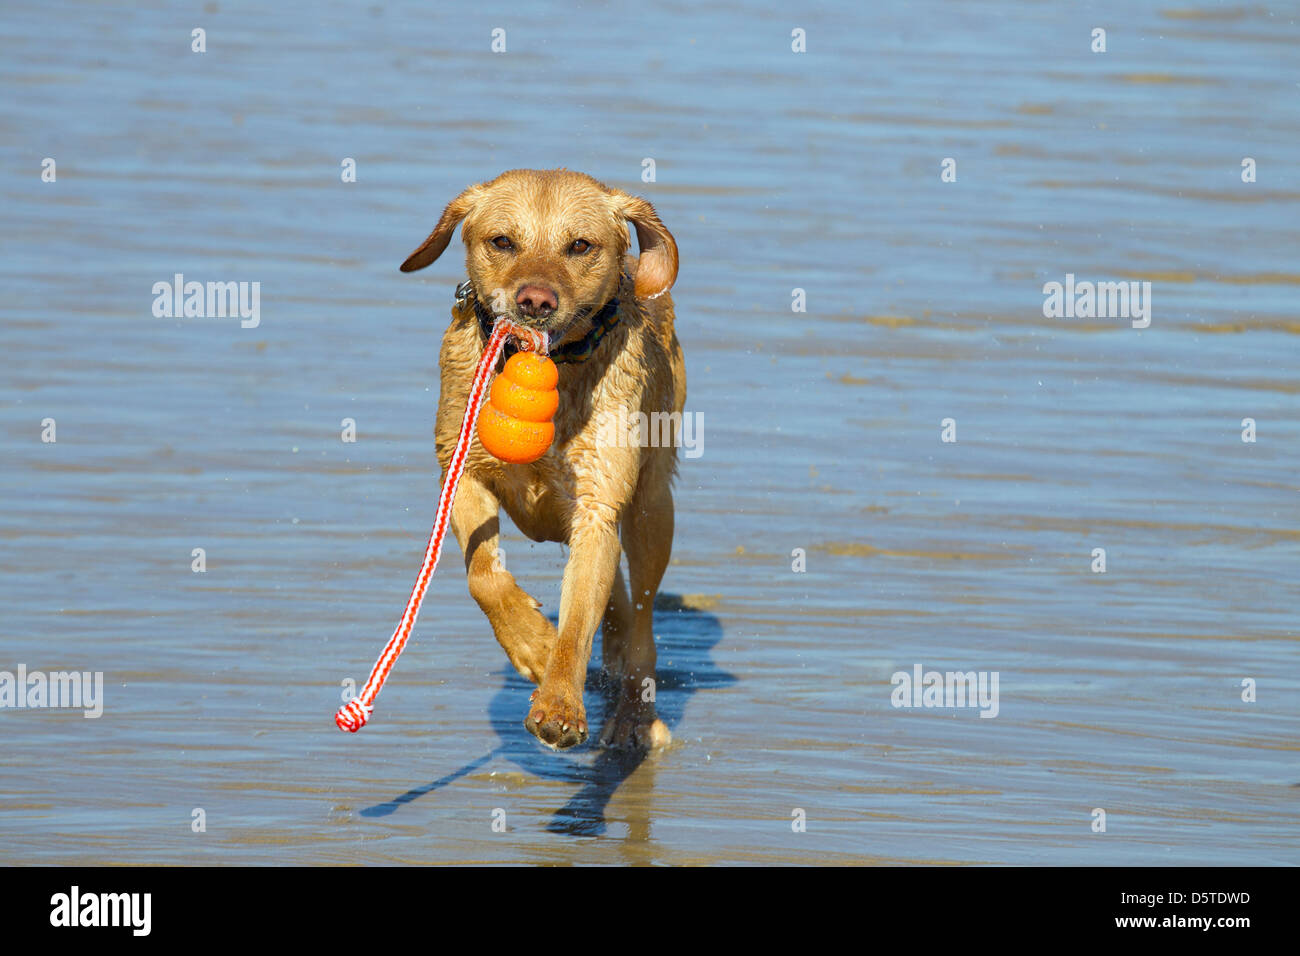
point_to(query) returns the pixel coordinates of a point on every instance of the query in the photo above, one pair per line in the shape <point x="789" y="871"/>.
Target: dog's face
<point x="546" y="247"/>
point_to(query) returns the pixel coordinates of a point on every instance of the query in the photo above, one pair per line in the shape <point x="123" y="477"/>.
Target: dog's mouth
<point x="558" y="326"/>
<point x="554" y="324"/>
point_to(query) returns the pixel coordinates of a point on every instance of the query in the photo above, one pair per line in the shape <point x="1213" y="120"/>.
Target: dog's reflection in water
<point x="687" y="635"/>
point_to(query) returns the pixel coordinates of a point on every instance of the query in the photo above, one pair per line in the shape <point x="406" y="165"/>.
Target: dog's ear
<point x="656" y="270"/>
<point x="436" y="244"/>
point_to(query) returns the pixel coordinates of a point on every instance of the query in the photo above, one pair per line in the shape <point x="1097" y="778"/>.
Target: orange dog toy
<point x="516" y="425"/>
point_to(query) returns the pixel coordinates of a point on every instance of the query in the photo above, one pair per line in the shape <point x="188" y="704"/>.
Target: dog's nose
<point x="537" y="301"/>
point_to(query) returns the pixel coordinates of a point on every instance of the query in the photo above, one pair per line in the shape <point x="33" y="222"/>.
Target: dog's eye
<point x="502" y="242"/>
<point x="579" y="246"/>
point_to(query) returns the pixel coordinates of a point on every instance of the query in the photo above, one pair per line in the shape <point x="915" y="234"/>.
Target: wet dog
<point x="550" y="250"/>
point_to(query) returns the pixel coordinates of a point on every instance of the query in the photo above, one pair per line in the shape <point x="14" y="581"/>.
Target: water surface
<point x="776" y="171"/>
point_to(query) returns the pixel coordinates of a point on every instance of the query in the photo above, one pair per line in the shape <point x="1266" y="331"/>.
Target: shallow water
<point x="775" y="171"/>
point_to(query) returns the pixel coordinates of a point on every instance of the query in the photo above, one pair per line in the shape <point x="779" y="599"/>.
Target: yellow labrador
<point x="550" y="250"/>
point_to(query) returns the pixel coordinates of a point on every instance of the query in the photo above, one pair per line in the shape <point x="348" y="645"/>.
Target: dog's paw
<point x="634" y="726"/>
<point x="557" y="720"/>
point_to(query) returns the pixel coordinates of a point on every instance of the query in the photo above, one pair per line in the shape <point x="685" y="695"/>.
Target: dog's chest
<point x="538" y="497"/>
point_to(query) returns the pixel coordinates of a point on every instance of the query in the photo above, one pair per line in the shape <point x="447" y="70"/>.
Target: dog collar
<point x="569" y="353"/>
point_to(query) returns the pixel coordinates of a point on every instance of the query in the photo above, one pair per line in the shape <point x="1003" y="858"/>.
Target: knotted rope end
<point x="353" y="715"/>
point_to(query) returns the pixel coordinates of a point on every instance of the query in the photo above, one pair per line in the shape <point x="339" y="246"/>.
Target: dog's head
<point x="545" y="247"/>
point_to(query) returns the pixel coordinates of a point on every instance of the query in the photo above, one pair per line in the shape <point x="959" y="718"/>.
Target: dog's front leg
<point x="557" y="716"/>
<point x="524" y="633"/>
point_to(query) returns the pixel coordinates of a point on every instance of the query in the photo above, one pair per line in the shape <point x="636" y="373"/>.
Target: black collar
<point x="570" y="352"/>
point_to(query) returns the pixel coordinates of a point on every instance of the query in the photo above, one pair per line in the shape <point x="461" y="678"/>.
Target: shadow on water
<point x="687" y="636"/>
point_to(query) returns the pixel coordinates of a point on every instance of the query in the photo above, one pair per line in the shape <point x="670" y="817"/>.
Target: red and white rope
<point x="353" y="715"/>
